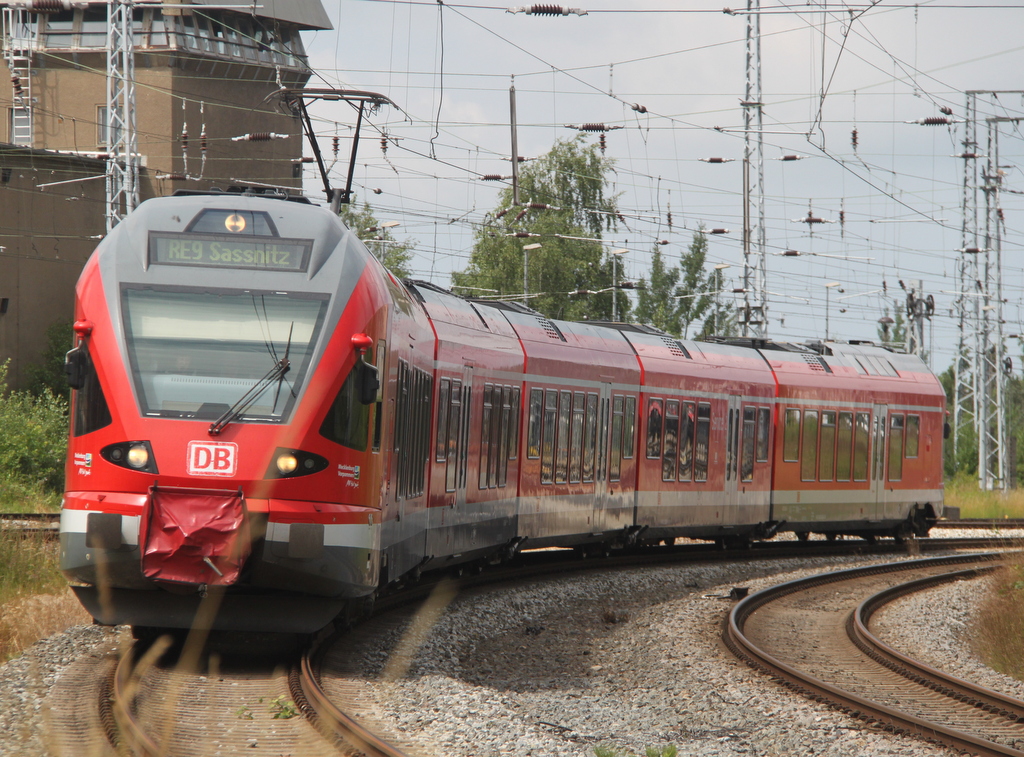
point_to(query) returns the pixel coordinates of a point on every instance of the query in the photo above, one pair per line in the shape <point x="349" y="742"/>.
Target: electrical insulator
<point x="602" y="142"/>
<point x="384" y="145"/>
<point x="539" y="206"/>
<point x="259" y="136"/>
<point x="719" y="231"/>
<point x="202" y="140"/>
<point x="501" y="213"/>
<point x="334" y="145"/>
<point x="670" y="219"/>
<point x="521" y="214"/>
<point x="934" y="121"/>
<point x="853" y="138"/>
<point x="593" y="127"/>
<point x="377" y="190"/>
<point x="999" y="212"/>
<point x="842" y="217"/>
<point x="547" y="10"/>
<point x="16" y="81"/>
<point x="946" y="110"/>
<point x="184" y="140"/>
<point x="639" y="108"/>
<point x="50" y="6"/>
<point x="491" y="177"/>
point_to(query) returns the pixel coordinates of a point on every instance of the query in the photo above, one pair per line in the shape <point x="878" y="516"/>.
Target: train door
<point x="732" y="450"/>
<point x="879" y="421"/>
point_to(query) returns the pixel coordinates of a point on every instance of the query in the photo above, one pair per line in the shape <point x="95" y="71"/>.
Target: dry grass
<point x="34" y="598"/>
<point x="999" y="627"/>
<point x="29" y="619"/>
<point x="963" y="492"/>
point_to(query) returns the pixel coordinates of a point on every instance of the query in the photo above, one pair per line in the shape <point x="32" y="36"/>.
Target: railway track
<point x="814" y="636"/>
<point x="166" y="708"/>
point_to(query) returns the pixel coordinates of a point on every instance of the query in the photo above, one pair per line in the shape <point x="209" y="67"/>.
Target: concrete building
<point x="201" y="78"/>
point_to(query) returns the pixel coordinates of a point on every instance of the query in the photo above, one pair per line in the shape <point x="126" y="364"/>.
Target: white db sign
<point x="212" y="458"/>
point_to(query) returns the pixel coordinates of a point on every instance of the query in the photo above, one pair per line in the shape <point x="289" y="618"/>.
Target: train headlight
<point x="135" y="456"/>
<point x="287" y="463"/>
<point x="290" y="463"/>
<point x="138" y="456"/>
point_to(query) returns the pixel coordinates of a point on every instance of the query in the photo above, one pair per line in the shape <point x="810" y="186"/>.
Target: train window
<point x="809" y="434"/>
<point x="629" y="429"/>
<point x="861" y="446"/>
<point x="895" y="447"/>
<point x="686" y="424"/>
<point x="348" y="420"/>
<point x="454" y="436"/>
<point x="913" y="434"/>
<point x="501" y="461"/>
<point x="844" y="446"/>
<point x="412" y="428"/>
<point x="602" y="440"/>
<point x="91" y="409"/>
<point x="615" y="458"/>
<point x="378" y="406"/>
<point x="826" y="462"/>
<point x="513" y="428"/>
<point x="485" y="436"/>
<point x="654" y="413"/>
<point x="669" y="457"/>
<point x="747" y="447"/>
<point x="467" y="409"/>
<point x="562" y="461"/>
<point x="547" y="462"/>
<point x="728" y="447"/>
<point x="590" y="438"/>
<point x="534" y="424"/>
<point x="764" y="430"/>
<point x="441" y="440"/>
<point x="576" y="444"/>
<point x="700" y="450"/>
<point x="791" y="436"/>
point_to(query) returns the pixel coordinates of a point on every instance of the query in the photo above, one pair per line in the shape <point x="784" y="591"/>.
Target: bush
<point x="33" y="445"/>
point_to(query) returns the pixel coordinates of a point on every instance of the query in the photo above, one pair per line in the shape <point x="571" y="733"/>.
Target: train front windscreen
<point x="199" y="353"/>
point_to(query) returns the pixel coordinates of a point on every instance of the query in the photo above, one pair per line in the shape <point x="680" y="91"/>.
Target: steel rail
<point x="329" y="719"/>
<point x="944" y="683"/>
<point x="855" y="705"/>
<point x="130" y="732"/>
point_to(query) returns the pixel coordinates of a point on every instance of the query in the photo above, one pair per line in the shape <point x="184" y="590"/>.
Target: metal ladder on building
<point x="20" y="31"/>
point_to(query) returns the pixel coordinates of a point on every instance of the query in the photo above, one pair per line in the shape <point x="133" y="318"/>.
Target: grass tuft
<point x="999" y="626"/>
<point x="962" y="491"/>
<point x="34" y="598"/>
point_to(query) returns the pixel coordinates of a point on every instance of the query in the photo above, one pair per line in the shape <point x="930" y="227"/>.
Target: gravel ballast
<point x="620" y="660"/>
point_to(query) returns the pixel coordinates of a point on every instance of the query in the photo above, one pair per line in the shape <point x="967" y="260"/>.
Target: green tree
<point x="656" y="306"/>
<point x="694" y="300"/>
<point x="720" y="319"/>
<point x="563" y="194"/>
<point x="892" y="329"/>
<point x="381" y="242"/>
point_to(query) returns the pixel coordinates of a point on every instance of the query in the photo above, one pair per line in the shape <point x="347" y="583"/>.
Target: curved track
<point x="813" y="635"/>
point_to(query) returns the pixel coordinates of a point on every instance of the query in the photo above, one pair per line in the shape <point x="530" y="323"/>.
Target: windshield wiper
<point x="274" y="374"/>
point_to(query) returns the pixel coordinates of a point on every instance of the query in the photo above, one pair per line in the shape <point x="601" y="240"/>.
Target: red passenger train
<point x="264" y="416"/>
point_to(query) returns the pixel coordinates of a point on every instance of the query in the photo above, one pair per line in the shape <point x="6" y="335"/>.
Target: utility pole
<point x="980" y="368"/>
<point x="755" y="306"/>
<point x="122" y="139"/>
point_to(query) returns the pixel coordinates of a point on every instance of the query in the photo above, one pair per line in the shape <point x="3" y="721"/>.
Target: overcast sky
<point x="827" y="70"/>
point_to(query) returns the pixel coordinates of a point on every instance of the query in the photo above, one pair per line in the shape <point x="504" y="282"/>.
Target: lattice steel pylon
<point x="755" y="305"/>
<point x="122" y="139"/>
<point x="21" y="30"/>
<point x="979" y="370"/>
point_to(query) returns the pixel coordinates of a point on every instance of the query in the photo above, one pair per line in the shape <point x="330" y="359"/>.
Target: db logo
<point x="212" y="458"/>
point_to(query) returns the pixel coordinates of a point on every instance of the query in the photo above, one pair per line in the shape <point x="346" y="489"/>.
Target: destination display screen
<point x="229" y="251"/>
